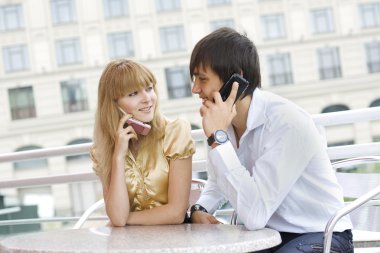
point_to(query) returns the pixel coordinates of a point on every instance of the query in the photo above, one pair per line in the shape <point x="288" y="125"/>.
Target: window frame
<point x="333" y="68"/>
<point x="271" y="21"/>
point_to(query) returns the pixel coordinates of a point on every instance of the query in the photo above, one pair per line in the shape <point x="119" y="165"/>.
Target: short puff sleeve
<point x="178" y="143"/>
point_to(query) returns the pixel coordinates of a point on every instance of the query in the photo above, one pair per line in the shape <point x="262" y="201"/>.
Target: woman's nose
<point x="145" y="96"/>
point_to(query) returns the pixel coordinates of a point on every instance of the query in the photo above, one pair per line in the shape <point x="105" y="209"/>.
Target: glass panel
<point x="172" y="39"/>
<point x="280" y="70"/>
<point x="74" y="96"/>
<point x="115" y="8"/>
<point x="15" y="58"/>
<point x="375" y="103"/>
<point x="178" y="82"/>
<point x="78" y="157"/>
<point x="120" y="45"/>
<point x="216" y="24"/>
<point x="322" y="21"/>
<point x="370" y="15"/>
<point x="218" y="2"/>
<point x="30" y="164"/>
<point x="329" y="63"/>
<point x="167" y="5"/>
<point x="22" y="103"/>
<point x="63" y="11"/>
<point x="335" y="108"/>
<point x="68" y="52"/>
<point x="273" y="26"/>
<point x="11" y="17"/>
<point x="373" y="57"/>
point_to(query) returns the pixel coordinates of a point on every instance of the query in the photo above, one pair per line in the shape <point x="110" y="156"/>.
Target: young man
<point x="267" y="157"/>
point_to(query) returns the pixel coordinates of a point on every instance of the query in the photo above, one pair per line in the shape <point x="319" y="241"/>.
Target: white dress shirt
<point x="280" y="176"/>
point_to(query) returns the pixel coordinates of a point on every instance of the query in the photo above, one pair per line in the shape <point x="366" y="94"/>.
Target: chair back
<point x="356" y="184"/>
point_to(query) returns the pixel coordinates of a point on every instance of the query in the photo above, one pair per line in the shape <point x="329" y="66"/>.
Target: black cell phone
<point x="226" y="88"/>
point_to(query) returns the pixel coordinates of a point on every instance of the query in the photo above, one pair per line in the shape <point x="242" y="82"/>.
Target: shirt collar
<point x="256" y="113"/>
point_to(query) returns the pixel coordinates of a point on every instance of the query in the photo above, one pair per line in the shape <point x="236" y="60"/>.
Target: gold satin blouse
<point x="148" y="188"/>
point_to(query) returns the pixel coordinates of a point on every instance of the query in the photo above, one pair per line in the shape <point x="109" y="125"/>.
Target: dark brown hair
<point x="227" y="52"/>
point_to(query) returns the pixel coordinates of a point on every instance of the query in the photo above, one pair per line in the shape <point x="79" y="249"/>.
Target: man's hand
<point x="218" y="115"/>
<point x="203" y="218"/>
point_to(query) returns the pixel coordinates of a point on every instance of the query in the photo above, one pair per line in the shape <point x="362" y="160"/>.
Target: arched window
<point x="335" y="108"/>
<point x="81" y="156"/>
<point x="375" y="103"/>
<point x="194" y="127"/>
<point x="28" y="164"/>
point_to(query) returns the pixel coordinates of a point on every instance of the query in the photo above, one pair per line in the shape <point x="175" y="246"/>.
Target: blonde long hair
<point x="119" y="78"/>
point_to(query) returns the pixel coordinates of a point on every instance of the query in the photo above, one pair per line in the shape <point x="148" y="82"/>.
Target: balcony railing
<point x="323" y="120"/>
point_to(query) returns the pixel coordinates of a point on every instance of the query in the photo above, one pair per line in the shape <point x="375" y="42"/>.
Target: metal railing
<point x="328" y="119"/>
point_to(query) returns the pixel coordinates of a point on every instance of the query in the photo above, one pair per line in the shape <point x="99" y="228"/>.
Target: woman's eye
<point x="132" y="94"/>
<point x="150" y="88"/>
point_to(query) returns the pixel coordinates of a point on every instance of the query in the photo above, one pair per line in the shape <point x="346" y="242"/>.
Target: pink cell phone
<point x="139" y="126"/>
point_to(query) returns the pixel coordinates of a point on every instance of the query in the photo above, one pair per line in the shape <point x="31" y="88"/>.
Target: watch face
<point x="221" y="136"/>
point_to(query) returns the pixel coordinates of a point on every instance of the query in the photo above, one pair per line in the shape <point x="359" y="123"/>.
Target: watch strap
<point x="211" y="139"/>
<point x="197" y="207"/>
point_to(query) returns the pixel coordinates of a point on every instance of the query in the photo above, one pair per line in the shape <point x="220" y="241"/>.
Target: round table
<point x="164" y="238"/>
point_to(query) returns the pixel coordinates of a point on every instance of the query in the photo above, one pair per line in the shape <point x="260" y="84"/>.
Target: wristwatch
<point x="219" y="137"/>
<point x="197" y="207"/>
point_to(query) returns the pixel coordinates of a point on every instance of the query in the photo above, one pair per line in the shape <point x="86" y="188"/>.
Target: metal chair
<point x="196" y="189"/>
<point x="365" y="218"/>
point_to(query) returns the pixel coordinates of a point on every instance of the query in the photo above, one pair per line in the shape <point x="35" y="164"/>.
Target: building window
<point x="11" y="17"/>
<point x="329" y="63"/>
<point x="273" y="26"/>
<point x="22" y="103"/>
<point x="74" y="96"/>
<point x="178" y="82"/>
<point x="115" y="8"/>
<point x="217" y="2"/>
<point x="375" y="103"/>
<point x="168" y="5"/>
<point x="373" y="57"/>
<point x="172" y="39"/>
<point x="30" y="164"/>
<point x="15" y="58"/>
<point x="68" y="52"/>
<point x="335" y="108"/>
<point x="120" y="45"/>
<point x="280" y="69"/>
<point x="216" y="24"/>
<point x="341" y="143"/>
<point x="78" y="157"/>
<point x="370" y="14"/>
<point x="63" y="11"/>
<point x="322" y="20"/>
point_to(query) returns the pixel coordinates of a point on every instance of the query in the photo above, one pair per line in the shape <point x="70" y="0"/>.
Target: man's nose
<point x="195" y="89"/>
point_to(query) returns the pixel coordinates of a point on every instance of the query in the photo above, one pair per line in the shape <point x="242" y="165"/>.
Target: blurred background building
<point x="323" y="55"/>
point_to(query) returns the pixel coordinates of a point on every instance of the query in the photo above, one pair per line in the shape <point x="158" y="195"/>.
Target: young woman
<point x="146" y="179"/>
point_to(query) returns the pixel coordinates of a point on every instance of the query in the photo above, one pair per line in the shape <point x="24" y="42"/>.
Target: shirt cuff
<point x="224" y="159"/>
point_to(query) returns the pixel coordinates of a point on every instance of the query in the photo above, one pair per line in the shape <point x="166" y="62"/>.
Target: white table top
<point x="165" y="238"/>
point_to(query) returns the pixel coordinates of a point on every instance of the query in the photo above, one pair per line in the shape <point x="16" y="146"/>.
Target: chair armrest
<point x="88" y="212"/>
<point x="344" y="211"/>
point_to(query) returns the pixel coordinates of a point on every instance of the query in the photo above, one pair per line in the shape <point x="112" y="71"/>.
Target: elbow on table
<point x="252" y="224"/>
<point x="118" y="222"/>
<point x="177" y="216"/>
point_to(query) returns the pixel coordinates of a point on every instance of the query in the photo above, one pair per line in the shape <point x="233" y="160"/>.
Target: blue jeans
<point x="313" y="243"/>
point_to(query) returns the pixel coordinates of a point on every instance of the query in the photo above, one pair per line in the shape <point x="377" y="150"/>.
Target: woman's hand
<point x="123" y="136"/>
